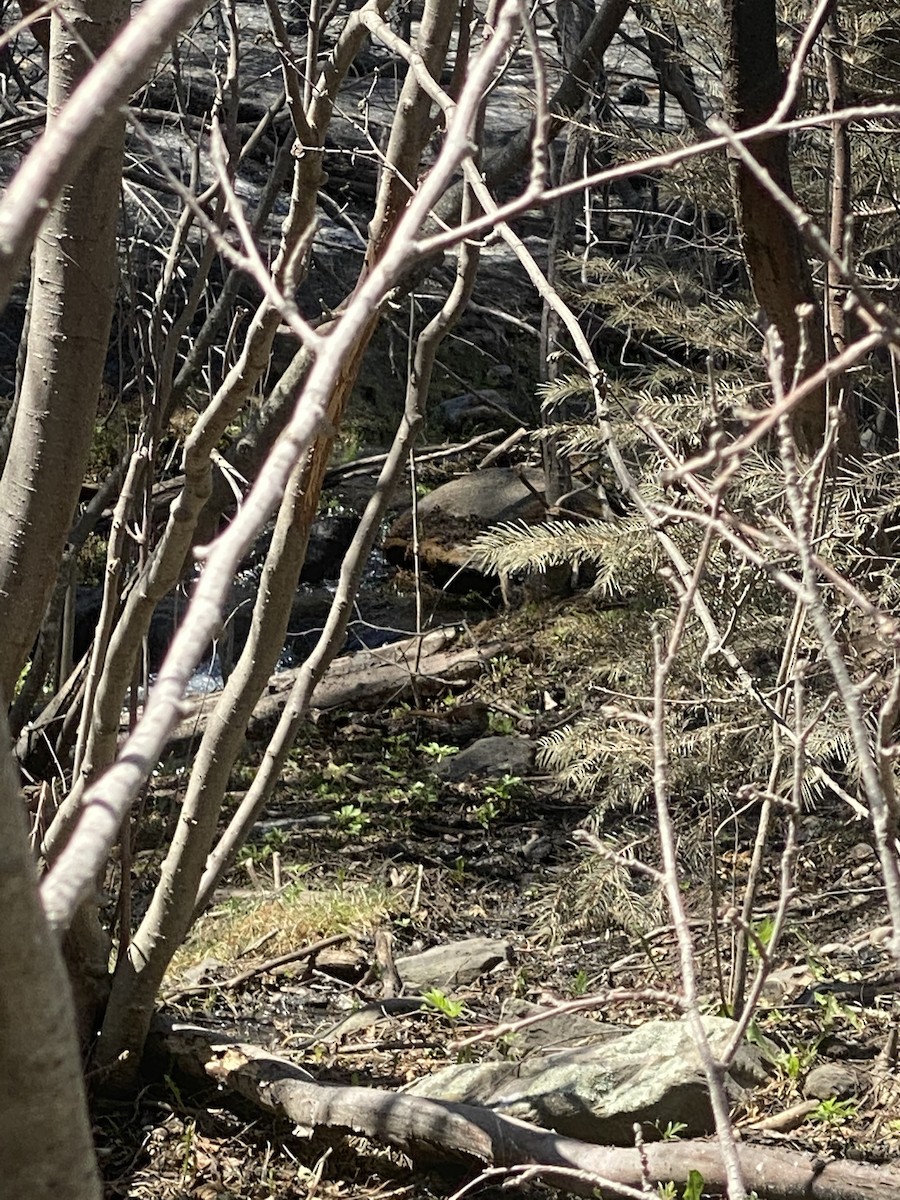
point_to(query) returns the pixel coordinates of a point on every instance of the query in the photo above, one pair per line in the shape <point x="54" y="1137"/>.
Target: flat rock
<point x="495" y="494"/>
<point x="555" y="1031"/>
<point x="452" y="965"/>
<point x="452" y="516"/>
<point x="455" y="513"/>
<point x="488" y="756"/>
<point x="832" y="1081"/>
<point x="650" y="1076"/>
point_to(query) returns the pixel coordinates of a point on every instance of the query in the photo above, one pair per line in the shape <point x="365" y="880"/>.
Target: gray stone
<point x="832" y="1081"/>
<point x="453" y="515"/>
<point x="495" y="494"/>
<point x="556" y="1031"/>
<point x="651" y="1076"/>
<point x="453" y="965"/>
<point x="489" y="756"/>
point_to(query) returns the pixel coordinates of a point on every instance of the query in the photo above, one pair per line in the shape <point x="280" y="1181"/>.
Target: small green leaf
<point x="693" y="1189"/>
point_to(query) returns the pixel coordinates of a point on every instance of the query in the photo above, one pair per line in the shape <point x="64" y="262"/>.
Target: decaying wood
<point x="434" y="1130"/>
<point x="363" y="679"/>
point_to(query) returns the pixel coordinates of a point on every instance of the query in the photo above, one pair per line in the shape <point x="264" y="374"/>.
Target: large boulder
<point x="650" y="1076"/>
<point x="453" y="515"/>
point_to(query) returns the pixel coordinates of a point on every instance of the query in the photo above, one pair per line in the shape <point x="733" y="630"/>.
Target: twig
<point x="78" y="127"/>
<point x="263" y="968"/>
<point x="599" y="999"/>
<point x="880" y="808"/>
<point x="352" y="569"/>
<point x="784" y="1121"/>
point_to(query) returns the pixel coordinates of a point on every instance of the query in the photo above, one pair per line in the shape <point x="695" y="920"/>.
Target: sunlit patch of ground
<point x="282" y="922"/>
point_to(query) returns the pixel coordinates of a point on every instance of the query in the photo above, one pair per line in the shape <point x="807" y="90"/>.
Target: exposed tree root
<point x="432" y="1130"/>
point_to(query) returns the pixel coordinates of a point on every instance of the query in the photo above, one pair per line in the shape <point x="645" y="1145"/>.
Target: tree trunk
<point x="772" y="245"/>
<point x="46" y="1151"/>
<point x="75" y="270"/>
<point x="170" y="915"/>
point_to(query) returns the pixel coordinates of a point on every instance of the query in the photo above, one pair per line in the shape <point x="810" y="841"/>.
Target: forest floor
<point x="365" y="837"/>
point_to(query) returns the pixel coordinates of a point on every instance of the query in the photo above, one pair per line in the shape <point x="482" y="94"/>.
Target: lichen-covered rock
<point x="650" y="1076"/>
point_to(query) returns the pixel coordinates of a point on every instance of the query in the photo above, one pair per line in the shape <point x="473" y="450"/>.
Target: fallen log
<point x="367" y="678"/>
<point x="432" y="1130"/>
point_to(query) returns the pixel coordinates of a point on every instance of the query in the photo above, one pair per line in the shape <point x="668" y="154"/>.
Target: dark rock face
<point x="633" y="93"/>
<point x="329" y="539"/>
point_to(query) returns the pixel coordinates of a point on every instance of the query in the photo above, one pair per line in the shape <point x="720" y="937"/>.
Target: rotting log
<point x="431" y="1130"/>
<point x="363" y="679"/>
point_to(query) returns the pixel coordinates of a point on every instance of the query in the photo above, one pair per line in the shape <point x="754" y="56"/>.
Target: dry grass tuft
<point x="284" y="921"/>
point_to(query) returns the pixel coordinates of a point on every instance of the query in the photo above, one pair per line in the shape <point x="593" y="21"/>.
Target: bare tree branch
<point x="80" y="125"/>
<point x="107" y="801"/>
<point x="464" y="1133"/>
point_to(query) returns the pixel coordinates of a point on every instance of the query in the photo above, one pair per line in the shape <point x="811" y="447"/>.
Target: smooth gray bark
<point x="46" y="1151"/>
<point x="75" y="272"/>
